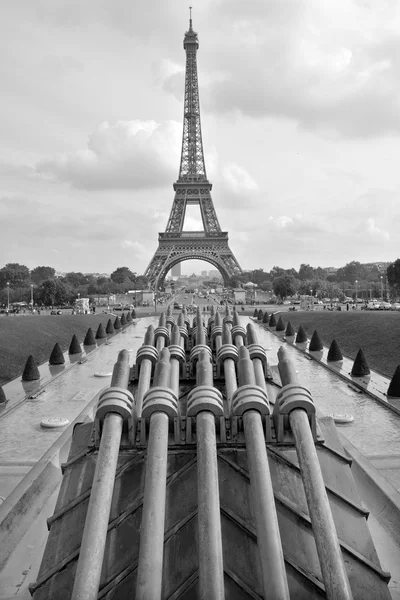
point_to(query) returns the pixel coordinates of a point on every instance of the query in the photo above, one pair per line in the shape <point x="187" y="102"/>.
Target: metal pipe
<point x="229" y="368"/>
<point x="238" y="338"/>
<point x="174" y="381"/>
<point x="211" y="569"/>
<point x="149" y="572"/>
<point x="230" y="381"/>
<point x="149" y="575"/>
<point x="257" y="363"/>
<point x="268" y="535"/>
<point x="160" y="343"/>
<point x="176" y="340"/>
<point x="239" y="341"/>
<point x="200" y="337"/>
<point x="259" y="373"/>
<point x="90" y="563"/>
<point x="162" y="322"/>
<point x="143" y="384"/>
<point x="145" y="372"/>
<point x="330" y="555"/>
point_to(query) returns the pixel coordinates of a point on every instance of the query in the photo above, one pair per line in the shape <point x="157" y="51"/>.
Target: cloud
<point x="375" y="231"/>
<point x="298" y="224"/>
<point x="332" y="68"/>
<point x="127" y="155"/>
<point x="136" y="249"/>
<point x="237" y="180"/>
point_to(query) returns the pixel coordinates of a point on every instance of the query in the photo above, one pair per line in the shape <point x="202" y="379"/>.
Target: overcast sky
<point x="300" y="106"/>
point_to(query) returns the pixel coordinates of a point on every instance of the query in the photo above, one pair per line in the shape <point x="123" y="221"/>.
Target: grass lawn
<point x="377" y="333"/>
<point x="21" y="336"/>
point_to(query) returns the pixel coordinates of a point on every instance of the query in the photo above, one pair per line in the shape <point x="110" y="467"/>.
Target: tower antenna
<point x="190" y="17"/>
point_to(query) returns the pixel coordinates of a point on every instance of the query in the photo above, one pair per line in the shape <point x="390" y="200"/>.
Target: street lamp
<point x="8" y="296"/>
<point x="32" y="297"/>
<point x="356" y="292"/>
<point x="381" y="288"/>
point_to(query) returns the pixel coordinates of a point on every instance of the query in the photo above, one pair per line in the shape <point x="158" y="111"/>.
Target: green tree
<point x="393" y="277"/>
<point x="17" y="275"/>
<point x="306" y="272"/>
<point x="141" y="283"/>
<point x="284" y="286"/>
<point x="276" y="272"/>
<point x="122" y="273"/>
<point x="53" y="292"/>
<point x="75" y="280"/>
<point x="40" y="274"/>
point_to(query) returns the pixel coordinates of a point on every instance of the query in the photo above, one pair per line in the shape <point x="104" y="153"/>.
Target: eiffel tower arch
<point x="192" y="188"/>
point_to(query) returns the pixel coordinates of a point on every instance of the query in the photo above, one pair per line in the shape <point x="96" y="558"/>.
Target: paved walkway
<point x="22" y="440"/>
<point x="375" y="433"/>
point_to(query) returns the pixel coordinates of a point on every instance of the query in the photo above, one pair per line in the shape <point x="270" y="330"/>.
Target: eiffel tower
<point x="192" y="188"/>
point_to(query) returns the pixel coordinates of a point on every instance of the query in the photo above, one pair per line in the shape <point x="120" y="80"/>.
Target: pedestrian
<point x="347" y="306"/>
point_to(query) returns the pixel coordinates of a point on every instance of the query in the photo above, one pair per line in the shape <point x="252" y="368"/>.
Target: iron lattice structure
<point x="192" y="188"/>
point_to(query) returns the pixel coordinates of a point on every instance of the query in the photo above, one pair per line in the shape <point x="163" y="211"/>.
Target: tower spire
<point x="192" y="167"/>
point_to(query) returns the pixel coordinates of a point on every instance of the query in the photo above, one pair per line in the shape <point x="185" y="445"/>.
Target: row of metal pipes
<point x="159" y="403"/>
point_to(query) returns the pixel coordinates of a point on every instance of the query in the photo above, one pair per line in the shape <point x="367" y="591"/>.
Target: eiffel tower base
<point x="175" y="248"/>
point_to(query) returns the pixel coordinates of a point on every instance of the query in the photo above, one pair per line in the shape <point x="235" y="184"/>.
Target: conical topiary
<point x="56" y="356"/>
<point x="265" y="318"/>
<point x="117" y="323"/>
<point x="255" y="314"/>
<point x="100" y="333"/>
<point x="272" y="321"/>
<point x="3" y="398"/>
<point x="394" y="386"/>
<point x="133" y="313"/>
<point x="31" y="372"/>
<point x="334" y="353"/>
<point x="123" y="319"/>
<point x="360" y="366"/>
<point x="260" y="315"/>
<point x="89" y="338"/>
<point x="110" y="327"/>
<point x="289" y="329"/>
<point x="315" y="343"/>
<point x="280" y="326"/>
<point x="301" y="335"/>
<point x="128" y="317"/>
<point x="74" y="347"/>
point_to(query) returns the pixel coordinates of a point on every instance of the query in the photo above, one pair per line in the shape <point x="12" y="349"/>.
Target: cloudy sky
<point x="300" y="104"/>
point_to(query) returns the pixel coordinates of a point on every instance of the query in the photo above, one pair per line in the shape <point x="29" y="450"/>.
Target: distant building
<point x="204" y="273"/>
<point x="214" y="273"/>
<point x="239" y="296"/>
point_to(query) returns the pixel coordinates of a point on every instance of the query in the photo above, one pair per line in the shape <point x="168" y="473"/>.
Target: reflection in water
<point x="56" y="369"/>
<point x="30" y="387"/>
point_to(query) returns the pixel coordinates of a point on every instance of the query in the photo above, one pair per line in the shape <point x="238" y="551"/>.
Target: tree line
<point x="19" y="284"/>
<point x="47" y="289"/>
<point x="369" y="279"/>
